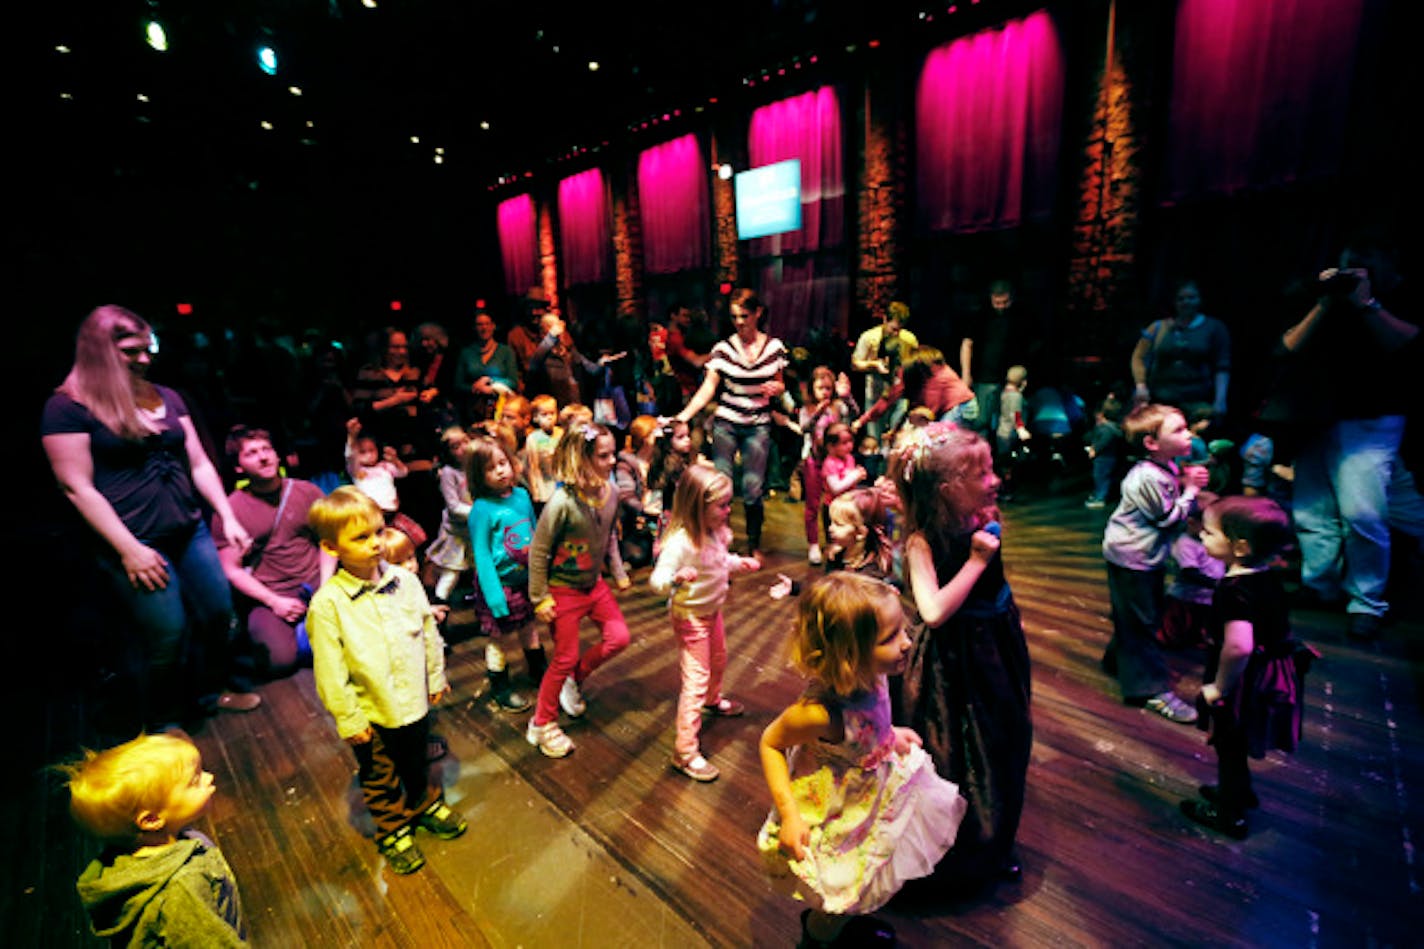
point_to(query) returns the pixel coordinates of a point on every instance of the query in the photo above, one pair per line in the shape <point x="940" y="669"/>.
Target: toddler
<point x="857" y="806"/>
<point x="1105" y="449"/>
<point x="1011" y="434"/>
<point x="449" y="553"/>
<point x="539" y="447"/>
<point x="1194" y="576"/>
<point x="1255" y="695"/>
<point x="158" y="881"/>
<point x="694" y="566"/>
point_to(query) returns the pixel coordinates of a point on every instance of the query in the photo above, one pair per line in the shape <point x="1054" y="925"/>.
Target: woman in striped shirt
<point x="743" y="373"/>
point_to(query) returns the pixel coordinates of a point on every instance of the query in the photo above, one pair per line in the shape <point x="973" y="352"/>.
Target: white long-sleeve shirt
<point x="714" y="563"/>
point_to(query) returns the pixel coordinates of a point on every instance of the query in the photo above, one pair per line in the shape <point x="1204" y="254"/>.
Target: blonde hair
<point x="864" y="507"/>
<point x="329" y="516"/>
<point x="573" y="459"/>
<point x="397" y="545"/>
<point x="1146" y="420"/>
<point x="837" y="627"/>
<point x="697" y="488"/>
<point x="448" y="438"/>
<point x="1016" y="375"/>
<point x="574" y="413"/>
<point x="932" y="457"/>
<point x="544" y="403"/>
<point x="108" y="790"/>
<point x="100" y="379"/>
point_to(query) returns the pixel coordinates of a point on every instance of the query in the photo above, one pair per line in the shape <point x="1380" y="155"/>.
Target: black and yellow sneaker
<point x="441" y="821"/>
<point x="400" y="851"/>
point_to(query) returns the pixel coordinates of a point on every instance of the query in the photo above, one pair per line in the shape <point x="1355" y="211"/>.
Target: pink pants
<point x="704" y="657"/>
<point x="812" y="484"/>
<point x="571" y="606"/>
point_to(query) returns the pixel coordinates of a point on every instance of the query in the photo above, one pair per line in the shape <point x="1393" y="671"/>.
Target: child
<point x="379" y="665"/>
<point x="539" y="450"/>
<point x="820" y="411"/>
<point x="566" y="558"/>
<point x="397" y="548"/>
<point x="158" y="881"/>
<point x="501" y="524"/>
<point x="449" y="554"/>
<point x="871" y="458"/>
<point x="374" y="470"/>
<point x="1199" y="416"/>
<point x="639" y="506"/>
<point x="859" y="533"/>
<point x="694" y="566"/>
<point x="839" y="472"/>
<point x="1011" y="433"/>
<point x="1257" y="672"/>
<point x="671" y="456"/>
<point x="516" y="412"/>
<point x="1105" y="449"/>
<point x="1156" y="498"/>
<point x="967" y="691"/>
<point x="858" y="808"/>
<point x="1194" y="577"/>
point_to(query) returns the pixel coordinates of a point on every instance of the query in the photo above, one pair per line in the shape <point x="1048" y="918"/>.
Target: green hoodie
<point x="183" y="894"/>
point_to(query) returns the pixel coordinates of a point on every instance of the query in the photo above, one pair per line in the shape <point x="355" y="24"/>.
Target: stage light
<point x="724" y="172"/>
<point x="295" y="90"/>
<point x="485" y="126"/>
<point x="157" y="37"/>
<point x="267" y="60"/>
<point x="267" y="126"/>
<point x="592" y="66"/>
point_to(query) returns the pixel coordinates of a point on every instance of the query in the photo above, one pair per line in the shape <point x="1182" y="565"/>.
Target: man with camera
<point x="1348" y="354"/>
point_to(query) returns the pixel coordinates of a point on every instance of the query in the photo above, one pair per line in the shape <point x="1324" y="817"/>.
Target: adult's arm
<point x="289" y="608"/>
<point x="72" y="460"/>
<point x="701" y="397"/>
<point x="1139" y="368"/>
<point x="966" y="359"/>
<point x="862" y="359"/>
<point x="210" y="486"/>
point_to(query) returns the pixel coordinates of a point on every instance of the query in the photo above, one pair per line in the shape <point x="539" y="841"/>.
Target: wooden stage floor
<point x="609" y="847"/>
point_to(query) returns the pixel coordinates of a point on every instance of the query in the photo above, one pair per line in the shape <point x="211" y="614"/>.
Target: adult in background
<point x="284" y="565"/>
<point x="1183" y="358"/>
<point x="485" y="370"/>
<point x="128" y="457"/>
<point x="1001" y="338"/>
<point x="526" y="335"/>
<point x="744" y="373"/>
<point x="1345" y="373"/>
<point x="437" y="376"/>
<point x="879" y="353"/>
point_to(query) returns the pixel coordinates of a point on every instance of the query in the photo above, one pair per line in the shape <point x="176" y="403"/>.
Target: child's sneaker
<point x="697" y="768"/>
<point x="441" y="821"/>
<point x="725" y="708"/>
<point x="1095" y="503"/>
<point x="813" y="556"/>
<point x="570" y="698"/>
<point x="1171" y="707"/>
<point x="400" y="851"/>
<point x="549" y="739"/>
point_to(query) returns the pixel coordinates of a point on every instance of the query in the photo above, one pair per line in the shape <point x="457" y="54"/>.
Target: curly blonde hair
<point x="837" y="627"/>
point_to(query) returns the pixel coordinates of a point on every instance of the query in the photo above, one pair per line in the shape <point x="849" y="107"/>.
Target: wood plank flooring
<point x="609" y="847"/>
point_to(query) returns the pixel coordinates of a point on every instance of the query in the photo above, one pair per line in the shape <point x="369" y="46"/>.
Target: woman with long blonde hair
<point x="126" y="454"/>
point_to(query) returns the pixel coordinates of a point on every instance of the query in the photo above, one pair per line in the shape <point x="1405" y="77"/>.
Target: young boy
<point x="379" y="665"/>
<point x="1156" y="499"/>
<point x="1011" y="433"/>
<point x="158" y="881"/>
<point x="1105" y="449"/>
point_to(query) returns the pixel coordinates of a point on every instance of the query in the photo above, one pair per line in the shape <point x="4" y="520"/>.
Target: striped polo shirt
<point x="739" y="397"/>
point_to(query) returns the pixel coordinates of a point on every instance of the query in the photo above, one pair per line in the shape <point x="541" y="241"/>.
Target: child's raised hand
<point x="685" y="575"/>
<point x="983" y="546"/>
<point x="794" y="837"/>
<point x="842" y="386"/>
<point x="905" y="739"/>
<point x="1195" y="476"/>
<point x="353" y="427"/>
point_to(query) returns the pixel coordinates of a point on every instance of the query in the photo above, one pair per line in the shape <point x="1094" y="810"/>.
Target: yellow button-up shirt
<point x="376" y="653"/>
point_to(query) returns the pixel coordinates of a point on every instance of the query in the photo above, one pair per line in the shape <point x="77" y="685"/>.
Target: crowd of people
<point x="523" y="476"/>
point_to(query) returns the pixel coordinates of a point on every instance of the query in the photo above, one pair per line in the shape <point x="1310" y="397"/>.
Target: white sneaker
<point x="570" y="698"/>
<point x="814" y="555"/>
<point x="549" y="739"/>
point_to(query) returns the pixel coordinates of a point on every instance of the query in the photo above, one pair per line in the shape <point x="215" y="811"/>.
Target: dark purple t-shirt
<point x="147" y="482"/>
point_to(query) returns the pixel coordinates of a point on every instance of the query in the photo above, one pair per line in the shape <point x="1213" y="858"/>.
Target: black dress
<point x="966" y="692"/>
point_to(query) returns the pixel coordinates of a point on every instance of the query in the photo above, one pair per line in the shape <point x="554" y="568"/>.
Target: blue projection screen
<point x="768" y="199"/>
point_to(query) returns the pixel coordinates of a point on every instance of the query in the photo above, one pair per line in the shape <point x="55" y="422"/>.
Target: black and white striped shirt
<point x="742" y="374"/>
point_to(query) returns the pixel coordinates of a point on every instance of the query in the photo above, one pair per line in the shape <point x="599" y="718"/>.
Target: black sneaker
<point x="400" y="851"/>
<point x="1212" y="794"/>
<point x="1207" y="815"/>
<point x="441" y="821"/>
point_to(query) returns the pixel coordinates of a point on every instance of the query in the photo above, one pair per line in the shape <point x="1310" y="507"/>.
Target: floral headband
<point x="921" y="444"/>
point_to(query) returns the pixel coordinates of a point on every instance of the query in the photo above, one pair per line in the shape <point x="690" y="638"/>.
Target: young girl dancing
<point x="571" y="541"/>
<point x="858" y="807"/>
<point x="501" y="524"/>
<point x="968" y="689"/>
<point x="1256" y="672"/>
<point x="859" y="535"/>
<point x="449" y="553"/>
<point x="694" y="566"/>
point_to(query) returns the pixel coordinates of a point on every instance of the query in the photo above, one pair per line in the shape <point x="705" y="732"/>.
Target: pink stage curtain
<point x="1260" y="93"/>
<point x="517" y="244"/>
<point x="673" y="202"/>
<point x="807" y="127"/>
<point x="989" y="111"/>
<point x="804" y="295"/>
<point x="584" y="229"/>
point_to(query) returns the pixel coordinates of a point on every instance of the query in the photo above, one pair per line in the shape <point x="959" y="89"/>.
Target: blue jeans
<point x="1341" y="509"/>
<point x="754" y="442"/>
<point x="183" y="630"/>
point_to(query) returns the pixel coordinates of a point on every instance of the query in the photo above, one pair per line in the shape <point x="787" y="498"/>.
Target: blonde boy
<point x="158" y="881"/>
<point x="379" y="664"/>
